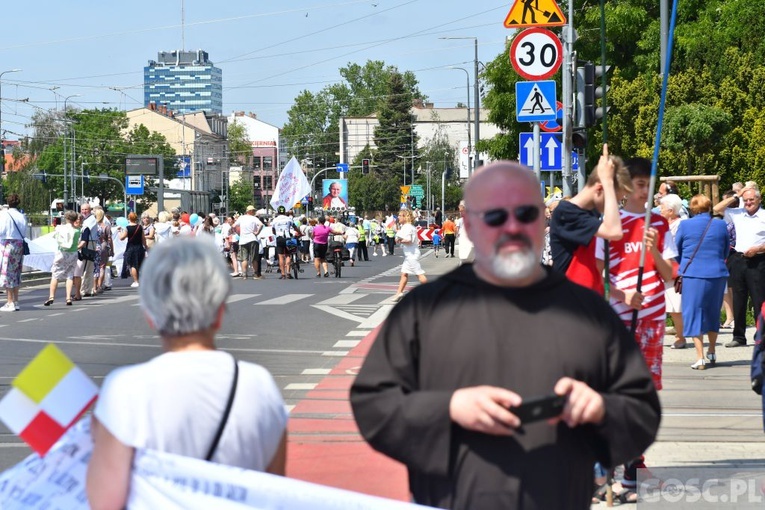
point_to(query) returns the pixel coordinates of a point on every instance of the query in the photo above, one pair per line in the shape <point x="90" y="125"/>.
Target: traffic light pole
<point x="567" y="86"/>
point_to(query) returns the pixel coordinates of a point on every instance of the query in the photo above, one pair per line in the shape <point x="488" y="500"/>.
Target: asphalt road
<point x="297" y="329"/>
<point x="301" y="329"/>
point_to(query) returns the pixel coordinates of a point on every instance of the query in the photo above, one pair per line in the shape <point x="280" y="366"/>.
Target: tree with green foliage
<point x="395" y="136"/>
<point x="312" y="128"/>
<point x="97" y="141"/>
<point x="241" y="193"/>
<point x="239" y="147"/>
<point x="713" y="119"/>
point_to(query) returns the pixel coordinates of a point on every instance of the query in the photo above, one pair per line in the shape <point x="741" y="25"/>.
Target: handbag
<point x="679" y="280"/>
<point x="86" y="254"/>
<point x="23" y="241"/>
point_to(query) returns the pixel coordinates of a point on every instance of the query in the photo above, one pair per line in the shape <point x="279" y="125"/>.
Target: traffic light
<point x="589" y="88"/>
<point x="364" y="166"/>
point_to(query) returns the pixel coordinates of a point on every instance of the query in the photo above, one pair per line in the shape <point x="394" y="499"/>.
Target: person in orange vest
<point x="449" y="232"/>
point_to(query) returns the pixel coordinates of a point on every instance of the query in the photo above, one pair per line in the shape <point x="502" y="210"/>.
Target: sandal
<point x="678" y="345"/>
<point x="68" y="302"/>
<point x="628" y="496"/>
<point x="600" y="493"/>
<point x="48" y="302"/>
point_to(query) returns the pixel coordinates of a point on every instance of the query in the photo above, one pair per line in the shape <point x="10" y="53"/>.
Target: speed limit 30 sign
<point x="536" y="54"/>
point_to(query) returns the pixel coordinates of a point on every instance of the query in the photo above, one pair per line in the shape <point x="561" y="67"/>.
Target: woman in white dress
<point x="406" y="236"/>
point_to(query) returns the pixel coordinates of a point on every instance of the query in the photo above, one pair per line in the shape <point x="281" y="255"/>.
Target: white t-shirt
<point x="249" y="226"/>
<point x="8" y="229"/>
<point x="407" y="232"/>
<point x="351" y="235"/>
<point x="282" y="226"/>
<point x="175" y="402"/>
<point x="162" y="231"/>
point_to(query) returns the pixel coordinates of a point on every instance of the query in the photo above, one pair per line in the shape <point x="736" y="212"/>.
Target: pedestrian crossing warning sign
<point x="534" y="101"/>
<point x="534" y="13"/>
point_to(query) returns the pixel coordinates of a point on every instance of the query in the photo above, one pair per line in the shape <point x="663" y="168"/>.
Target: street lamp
<point x="2" y="145"/>
<point x="470" y="145"/>
<point x="105" y="177"/>
<point x="477" y="105"/>
<point x="66" y="126"/>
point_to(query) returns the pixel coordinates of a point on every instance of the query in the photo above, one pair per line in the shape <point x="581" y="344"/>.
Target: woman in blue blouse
<point x="704" y="276"/>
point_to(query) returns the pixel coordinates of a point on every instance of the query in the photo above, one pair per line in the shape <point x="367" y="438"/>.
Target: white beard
<point x="514" y="265"/>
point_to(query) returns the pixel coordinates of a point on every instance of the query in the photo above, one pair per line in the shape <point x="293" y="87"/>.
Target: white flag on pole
<point x="291" y="187"/>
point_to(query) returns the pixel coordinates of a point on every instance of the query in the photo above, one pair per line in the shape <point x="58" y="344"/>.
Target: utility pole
<point x="567" y="79"/>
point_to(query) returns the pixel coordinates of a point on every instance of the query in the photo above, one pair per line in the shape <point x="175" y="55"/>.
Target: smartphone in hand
<point x="539" y="408"/>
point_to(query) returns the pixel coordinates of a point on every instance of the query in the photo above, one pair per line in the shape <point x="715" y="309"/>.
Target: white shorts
<point x="412" y="265"/>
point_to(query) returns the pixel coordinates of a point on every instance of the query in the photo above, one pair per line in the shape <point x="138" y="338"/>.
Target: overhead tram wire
<point x="374" y="45"/>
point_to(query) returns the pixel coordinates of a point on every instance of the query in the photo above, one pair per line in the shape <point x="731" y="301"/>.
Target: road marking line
<point x="376" y="318"/>
<point x="358" y="333"/>
<point x="240" y="297"/>
<point x="316" y="371"/>
<point x="29" y="320"/>
<point x="285" y="299"/>
<point x="712" y="415"/>
<point x="334" y="353"/>
<point x="13" y="445"/>
<point x="301" y="386"/>
<point x="346" y="343"/>
<point x="339" y="313"/>
<point x="55" y="314"/>
<point x="342" y="299"/>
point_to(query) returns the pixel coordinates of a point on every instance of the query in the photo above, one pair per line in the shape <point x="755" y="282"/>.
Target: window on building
<point x="268" y="163"/>
<point x="256" y="162"/>
<point x="268" y="182"/>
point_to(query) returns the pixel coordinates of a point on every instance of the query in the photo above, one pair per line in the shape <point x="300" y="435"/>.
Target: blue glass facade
<point x="184" y="82"/>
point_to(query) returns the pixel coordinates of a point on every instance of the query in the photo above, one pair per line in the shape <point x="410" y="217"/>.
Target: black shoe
<point x="736" y="343"/>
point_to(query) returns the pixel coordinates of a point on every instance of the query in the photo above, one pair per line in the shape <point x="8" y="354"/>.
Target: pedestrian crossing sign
<point x="535" y="101"/>
<point x="534" y="13"/>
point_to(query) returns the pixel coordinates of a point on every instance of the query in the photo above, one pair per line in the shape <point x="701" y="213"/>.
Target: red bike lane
<point x="325" y="446"/>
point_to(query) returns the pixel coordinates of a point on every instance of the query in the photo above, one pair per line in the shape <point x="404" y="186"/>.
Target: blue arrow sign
<point x="341" y="167"/>
<point x="550" y="151"/>
<point x="535" y="101"/>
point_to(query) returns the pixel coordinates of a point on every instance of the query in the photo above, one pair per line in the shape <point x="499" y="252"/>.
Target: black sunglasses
<point x="497" y="217"/>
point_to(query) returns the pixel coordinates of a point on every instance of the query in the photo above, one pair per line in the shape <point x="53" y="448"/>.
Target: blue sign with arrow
<point x="550" y="149"/>
<point x="535" y="101"/>
<point x="341" y="167"/>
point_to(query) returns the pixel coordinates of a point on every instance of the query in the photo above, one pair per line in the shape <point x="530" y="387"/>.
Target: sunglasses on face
<point x="497" y="217"/>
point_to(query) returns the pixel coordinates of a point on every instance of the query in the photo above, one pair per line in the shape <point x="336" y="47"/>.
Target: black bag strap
<point x="15" y="225"/>
<point x="226" y="412"/>
<point x="698" y="245"/>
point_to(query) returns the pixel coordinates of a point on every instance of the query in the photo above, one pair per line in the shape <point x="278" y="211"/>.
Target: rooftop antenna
<point x="183" y="26"/>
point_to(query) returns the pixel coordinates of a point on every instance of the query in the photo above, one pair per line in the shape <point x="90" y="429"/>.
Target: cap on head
<point x="281" y="209"/>
<point x="250" y="208"/>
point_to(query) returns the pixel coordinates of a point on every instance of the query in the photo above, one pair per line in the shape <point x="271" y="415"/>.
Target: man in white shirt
<point x="248" y="226"/>
<point x="746" y="262"/>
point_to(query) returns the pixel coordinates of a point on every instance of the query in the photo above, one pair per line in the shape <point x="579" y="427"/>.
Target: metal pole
<point x="664" y="22"/>
<point x="443" y="187"/>
<point x="470" y="143"/>
<point x="568" y="102"/>
<point x="537" y="141"/>
<point x="477" y="110"/>
<point x="2" y="145"/>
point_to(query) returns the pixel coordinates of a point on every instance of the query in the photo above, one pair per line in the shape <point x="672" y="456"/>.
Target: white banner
<point x="163" y="480"/>
<point x="291" y="187"/>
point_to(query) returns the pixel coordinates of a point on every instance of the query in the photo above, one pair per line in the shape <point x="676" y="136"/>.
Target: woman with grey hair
<point x="193" y="399"/>
<point x="670" y="207"/>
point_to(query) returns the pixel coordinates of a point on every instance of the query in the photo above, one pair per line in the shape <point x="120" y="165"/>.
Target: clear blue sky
<point x="269" y="51"/>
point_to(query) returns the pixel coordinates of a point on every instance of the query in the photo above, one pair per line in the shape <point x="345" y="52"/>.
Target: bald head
<point x="501" y="173"/>
<point x="504" y="219"/>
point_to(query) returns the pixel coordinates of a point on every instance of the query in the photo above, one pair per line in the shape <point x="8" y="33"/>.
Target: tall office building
<point x="184" y="82"/>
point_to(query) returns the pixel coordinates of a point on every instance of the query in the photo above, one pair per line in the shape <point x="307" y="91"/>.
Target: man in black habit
<point x="454" y="357"/>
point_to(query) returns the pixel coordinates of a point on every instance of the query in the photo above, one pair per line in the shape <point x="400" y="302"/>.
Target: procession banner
<point x="291" y="186"/>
